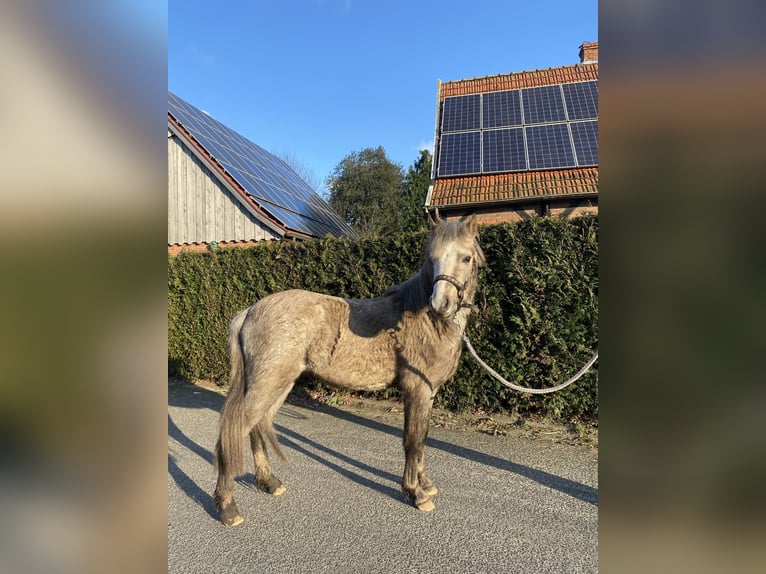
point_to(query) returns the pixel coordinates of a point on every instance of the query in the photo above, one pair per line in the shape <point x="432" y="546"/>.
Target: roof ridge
<point x="522" y="72"/>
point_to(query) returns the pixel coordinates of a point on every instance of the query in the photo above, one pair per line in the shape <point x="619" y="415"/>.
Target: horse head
<point x="455" y="257"/>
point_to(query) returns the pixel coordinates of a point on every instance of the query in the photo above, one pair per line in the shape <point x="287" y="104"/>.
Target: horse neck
<point x="415" y="292"/>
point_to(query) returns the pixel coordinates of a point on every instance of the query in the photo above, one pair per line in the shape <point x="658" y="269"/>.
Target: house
<point x="225" y="190"/>
<point x="512" y="146"/>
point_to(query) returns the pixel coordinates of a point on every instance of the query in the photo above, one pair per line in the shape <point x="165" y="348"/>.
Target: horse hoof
<point x="236" y="521"/>
<point x="431" y="491"/>
<point x="426" y="506"/>
<point x="272" y="486"/>
<point x="230" y="516"/>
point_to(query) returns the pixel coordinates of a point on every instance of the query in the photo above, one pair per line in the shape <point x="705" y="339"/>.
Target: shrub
<point x="538" y="306"/>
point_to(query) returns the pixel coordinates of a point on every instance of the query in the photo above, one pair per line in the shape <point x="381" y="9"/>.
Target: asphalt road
<point x="505" y="503"/>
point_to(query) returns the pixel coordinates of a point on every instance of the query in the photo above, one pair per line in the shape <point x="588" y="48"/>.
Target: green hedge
<point x="538" y="300"/>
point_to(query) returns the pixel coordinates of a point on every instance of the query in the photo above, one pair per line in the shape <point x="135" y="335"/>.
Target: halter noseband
<point x="460" y="291"/>
<point x="458" y="285"/>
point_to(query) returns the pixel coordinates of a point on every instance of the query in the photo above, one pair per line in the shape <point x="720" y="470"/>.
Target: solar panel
<point x="549" y="146"/>
<point x="581" y="100"/>
<point x="585" y="138"/>
<point x="523" y="129"/>
<point x="460" y="153"/>
<point x="461" y="113"/>
<point x="503" y="150"/>
<point x="542" y="105"/>
<point x="268" y="179"/>
<point x="501" y="109"/>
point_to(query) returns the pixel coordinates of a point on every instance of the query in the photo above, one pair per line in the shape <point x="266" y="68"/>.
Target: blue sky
<point x="319" y="79"/>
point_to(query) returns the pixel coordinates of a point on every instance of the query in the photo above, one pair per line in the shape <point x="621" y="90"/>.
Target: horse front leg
<point x="426" y="483"/>
<point x="416" y="486"/>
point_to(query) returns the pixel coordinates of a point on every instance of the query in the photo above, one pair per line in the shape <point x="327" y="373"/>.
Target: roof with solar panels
<point x="264" y="187"/>
<point x="517" y="137"/>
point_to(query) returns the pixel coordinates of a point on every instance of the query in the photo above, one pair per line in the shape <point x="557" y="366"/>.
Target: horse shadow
<point x="572" y="488"/>
<point x="190" y="396"/>
<point x="183" y="480"/>
<point x="343" y="471"/>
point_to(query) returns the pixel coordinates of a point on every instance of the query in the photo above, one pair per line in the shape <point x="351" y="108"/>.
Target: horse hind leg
<point x="262" y="433"/>
<point x="244" y="415"/>
<point x="229" y="462"/>
<point x="223" y="498"/>
<point x="229" y="459"/>
<point x="264" y="477"/>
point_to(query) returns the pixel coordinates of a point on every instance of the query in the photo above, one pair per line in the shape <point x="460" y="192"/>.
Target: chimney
<point x="589" y="52"/>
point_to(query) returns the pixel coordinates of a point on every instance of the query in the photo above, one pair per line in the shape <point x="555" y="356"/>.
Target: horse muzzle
<point x="442" y="310"/>
<point x="442" y="303"/>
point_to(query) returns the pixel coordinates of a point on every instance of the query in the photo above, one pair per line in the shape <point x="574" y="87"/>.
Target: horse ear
<point x="434" y="219"/>
<point x="470" y="222"/>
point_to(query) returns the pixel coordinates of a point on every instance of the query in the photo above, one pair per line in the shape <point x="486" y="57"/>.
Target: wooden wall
<point x="200" y="209"/>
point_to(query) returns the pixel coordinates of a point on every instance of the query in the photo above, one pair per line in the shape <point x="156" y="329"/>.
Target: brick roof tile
<point x="516" y="80"/>
<point x="517" y="186"/>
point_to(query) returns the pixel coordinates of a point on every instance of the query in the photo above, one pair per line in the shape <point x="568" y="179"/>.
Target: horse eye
<point x="467" y="259"/>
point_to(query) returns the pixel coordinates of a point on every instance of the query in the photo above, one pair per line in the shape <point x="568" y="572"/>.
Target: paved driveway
<point x="506" y="503"/>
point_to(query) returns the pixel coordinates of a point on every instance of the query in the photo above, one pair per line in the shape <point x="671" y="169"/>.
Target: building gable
<point x="519" y="144"/>
<point x="200" y="207"/>
<point x="271" y="200"/>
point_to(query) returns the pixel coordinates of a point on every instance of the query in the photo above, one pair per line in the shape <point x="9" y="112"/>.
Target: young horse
<point x="410" y="337"/>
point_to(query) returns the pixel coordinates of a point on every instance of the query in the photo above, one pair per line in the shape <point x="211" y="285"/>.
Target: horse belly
<point x="359" y="364"/>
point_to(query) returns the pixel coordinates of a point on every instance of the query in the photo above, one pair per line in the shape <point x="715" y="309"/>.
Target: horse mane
<point x="413" y="294"/>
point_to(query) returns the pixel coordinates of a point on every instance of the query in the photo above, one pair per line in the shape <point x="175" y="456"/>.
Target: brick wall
<point x="589" y="52"/>
<point x="514" y="213"/>
<point x="177" y="248"/>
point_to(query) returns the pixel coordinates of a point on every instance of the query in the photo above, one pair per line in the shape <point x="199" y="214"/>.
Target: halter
<point x="458" y="285"/>
<point x="460" y="290"/>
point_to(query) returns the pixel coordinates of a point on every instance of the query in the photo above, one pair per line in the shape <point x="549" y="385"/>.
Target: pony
<point x="411" y="337"/>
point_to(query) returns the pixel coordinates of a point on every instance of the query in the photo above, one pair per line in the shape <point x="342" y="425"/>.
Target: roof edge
<point x="228" y="182"/>
<point x="531" y="199"/>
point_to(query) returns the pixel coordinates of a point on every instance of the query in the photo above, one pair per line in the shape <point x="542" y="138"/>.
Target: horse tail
<point x="229" y="457"/>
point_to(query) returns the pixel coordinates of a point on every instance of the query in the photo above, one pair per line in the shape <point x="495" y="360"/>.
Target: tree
<point x="415" y="190"/>
<point x="306" y="173"/>
<point x="366" y="190"/>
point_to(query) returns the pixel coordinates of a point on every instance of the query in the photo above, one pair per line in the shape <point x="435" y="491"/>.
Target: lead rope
<point x="494" y="374"/>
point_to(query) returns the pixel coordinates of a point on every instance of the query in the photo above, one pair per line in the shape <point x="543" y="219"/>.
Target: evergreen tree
<point x="366" y="190"/>
<point x="416" y="185"/>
